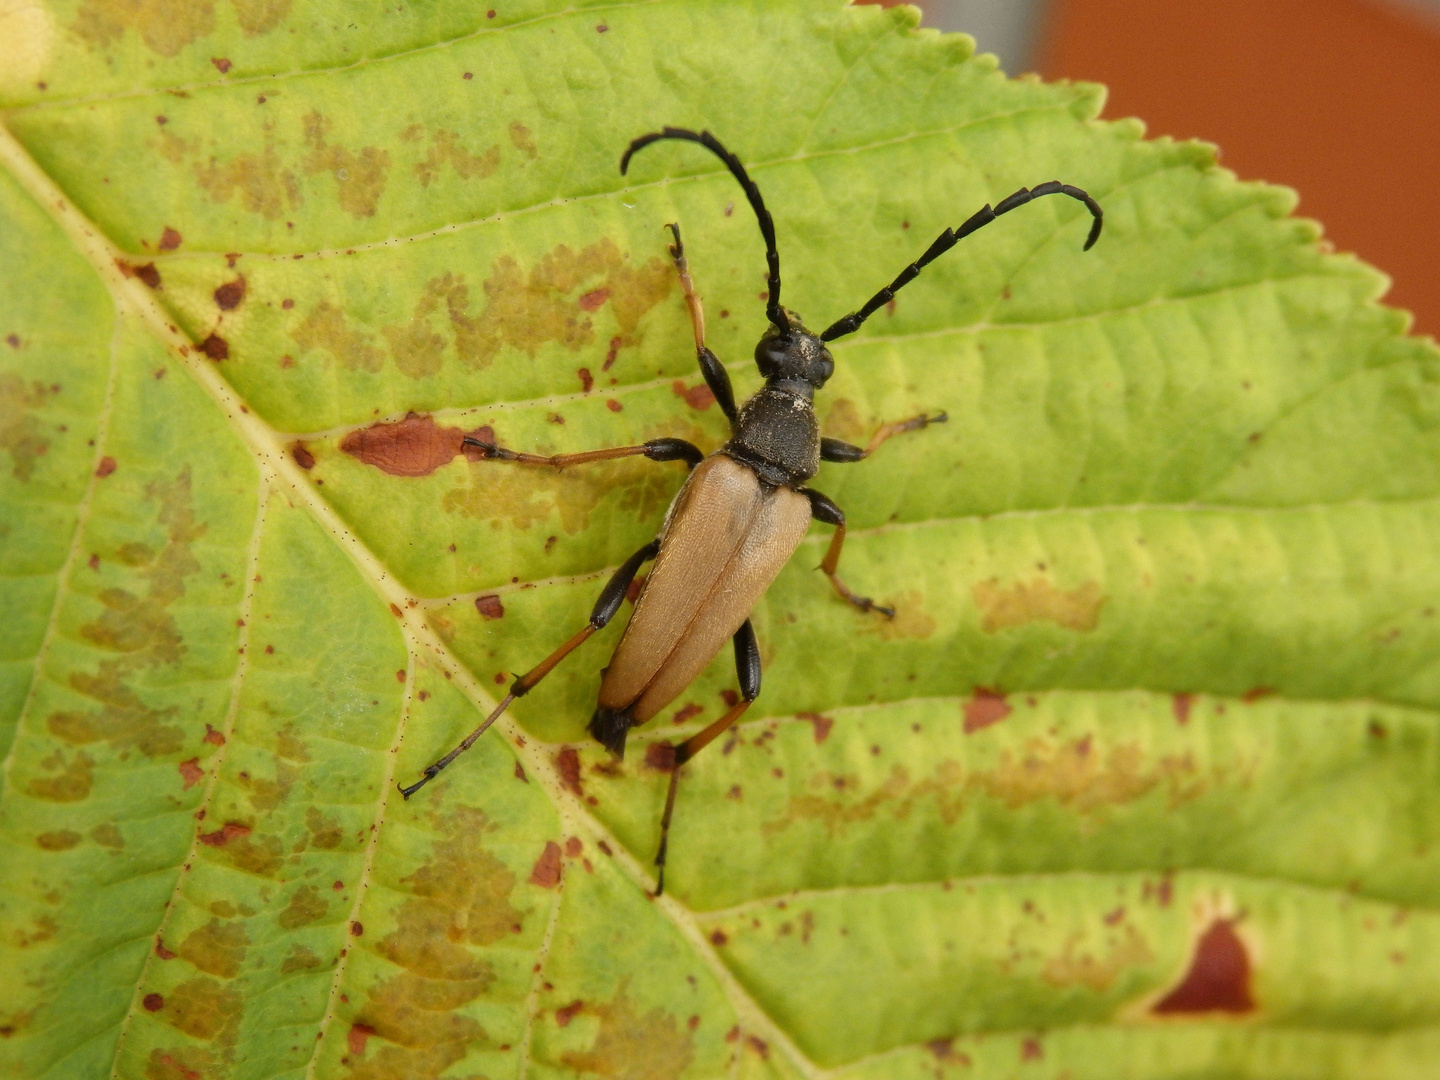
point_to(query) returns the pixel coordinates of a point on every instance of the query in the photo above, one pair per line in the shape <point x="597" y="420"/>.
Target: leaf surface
<point x="1140" y="782"/>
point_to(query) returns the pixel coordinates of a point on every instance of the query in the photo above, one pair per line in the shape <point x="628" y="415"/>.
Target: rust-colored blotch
<point x="985" y="708"/>
<point x="415" y="446"/>
<point x="1219" y="976"/>
<point x="546" y="872"/>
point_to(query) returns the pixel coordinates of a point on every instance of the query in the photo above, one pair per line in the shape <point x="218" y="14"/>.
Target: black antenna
<point x="950" y="237"/>
<point x="773" y="311"/>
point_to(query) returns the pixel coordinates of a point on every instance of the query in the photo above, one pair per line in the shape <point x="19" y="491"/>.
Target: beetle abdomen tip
<point x="610" y="726"/>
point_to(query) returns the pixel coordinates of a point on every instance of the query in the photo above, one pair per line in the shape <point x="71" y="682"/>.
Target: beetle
<point x="742" y="511"/>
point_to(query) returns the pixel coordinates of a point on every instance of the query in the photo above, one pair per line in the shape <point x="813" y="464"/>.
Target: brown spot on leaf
<point x="260" y="16"/>
<point x="985" y="708"/>
<point x="522" y="140"/>
<point x="162" y="952"/>
<point x="22" y="433"/>
<point x="179" y="1063"/>
<point x="146" y="273"/>
<point x="660" y="756"/>
<point x="325" y="329"/>
<point x="593" y="299"/>
<point x="266" y="794"/>
<point x="215" y="347"/>
<point x="169" y="239"/>
<point x="697" y="397"/>
<point x="683" y="714"/>
<point x="142" y="632"/>
<point x="107" y="834"/>
<point x="229" y="295"/>
<point x="910" y="621"/>
<point x="820" y="724"/>
<point x="260" y="855"/>
<point x="222" y="65"/>
<point x="153" y="1002"/>
<point x="445" y="149"/>
<point x="325" y="832"/>
<point x="529" y="309"/>
<point x="1031" y="1050"/>
<point x="106" y="467"/>
<point x="300" y="958"/>
<point x="71" y="782"/>
<point x="359" y="177"/>
<point x="231" y="830"/>
<point x="260" y="179"/>
<point x="1256" y="693"/>
<point x="653" y="1046"/>
<point x="1180" y="705"/>
<point x="416" y="446"/>
<point x="217" y="948"/>
<point x="490" y="606"/>
<point x="357" y="1037"/>
<point x="1037" y="600"/>
<point x="1218" y="979"/>
<point x="546" y="872"/>
<point x="1096" y="965"/>
<point x="191" y="772"/>
<point x="213" y="737"/>
<point x="568" y="762"/>
<point x="461" y="898"/>
<point x="613" y="405"/>
<point x="63" y="840"/>
<point x="205" y="1008"/>
<point x="165" y="26"/>
<point x="719" y="938"/>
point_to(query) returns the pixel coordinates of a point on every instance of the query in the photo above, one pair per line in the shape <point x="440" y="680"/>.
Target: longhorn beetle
<point x="741" y="513"/>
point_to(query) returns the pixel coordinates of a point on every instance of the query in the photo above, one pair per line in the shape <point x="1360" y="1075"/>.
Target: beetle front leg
<point x="825" y="510"/>
<point x="604" y="610"/>
<point x="835" y="450"/>
<point x="747" y="667"/>
<point x="716" y="377"/>
<point x="655" y="450"/>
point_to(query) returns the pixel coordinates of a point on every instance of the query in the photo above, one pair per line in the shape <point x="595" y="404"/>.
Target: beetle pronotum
<point x="741" y="513"/>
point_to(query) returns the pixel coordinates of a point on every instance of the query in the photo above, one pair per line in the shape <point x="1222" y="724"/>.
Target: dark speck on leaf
<point x="613" y="405"/>
<point x="601" y="28"/>
<point x="490" y="606"/>
<point x="587" y="381"/>
<point x="469" y="75"/>
<point x="106" y="467"/>
<point x="221" y="64"/>
<point x="153" y="1003"/>
<point x="169" y="239"/>
<point x="303" y="457"/>
<point x="215" y="347"/>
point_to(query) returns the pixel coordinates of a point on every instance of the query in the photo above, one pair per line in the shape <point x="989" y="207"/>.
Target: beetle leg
<point x="604" y="610"/>
<point x="716" y="377"/>
<point x="835" y="450"/>
<point x="826" y="511"/>
<point x="747" y="667"/>
<point x="655" y="450"/>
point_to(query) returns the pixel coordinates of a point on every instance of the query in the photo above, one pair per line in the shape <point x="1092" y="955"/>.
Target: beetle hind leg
<point x="600" y="615"/>
<point x="747" y="666"/>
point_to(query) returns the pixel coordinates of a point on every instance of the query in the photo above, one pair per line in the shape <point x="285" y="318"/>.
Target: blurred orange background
<point x="1339" y="99"/>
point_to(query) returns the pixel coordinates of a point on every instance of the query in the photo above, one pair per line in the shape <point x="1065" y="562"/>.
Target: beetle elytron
<point x="743" y="510"/>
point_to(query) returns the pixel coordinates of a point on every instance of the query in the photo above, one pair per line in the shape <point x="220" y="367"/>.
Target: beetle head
<point x="796" y="354"/>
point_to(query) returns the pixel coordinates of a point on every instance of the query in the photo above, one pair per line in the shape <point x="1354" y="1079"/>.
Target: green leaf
<point x="1140" y="783"/>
